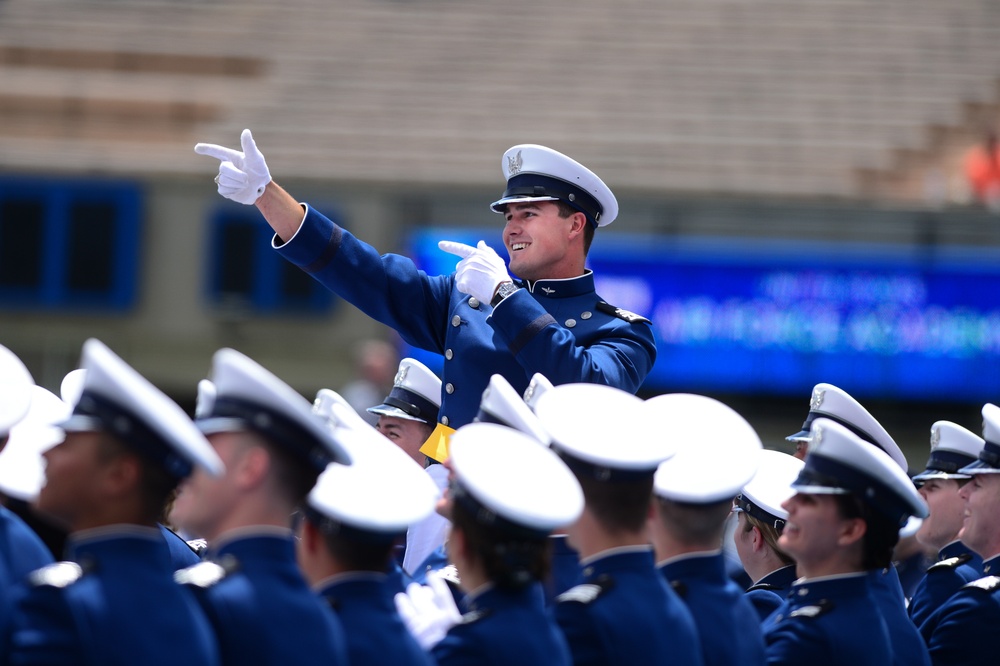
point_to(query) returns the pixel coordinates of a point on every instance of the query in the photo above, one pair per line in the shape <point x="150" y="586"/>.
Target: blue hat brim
<point x="800" y="436"/>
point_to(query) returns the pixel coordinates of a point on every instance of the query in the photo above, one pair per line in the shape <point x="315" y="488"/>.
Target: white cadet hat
<point x="538" y="385"/>
<point x="378" y="496"/>
<point x="592" y="427"/>
<point x="502" y="405"/>
<point x="840" y="462"/>
<point x="72" y="386"/>
<point x="952" y="448"/>
<point x="830" y="402"/>
<point x="118" y="400"/>
<point x="415" y="394"/>
<point x="15" y="390"/>
<point x="537" y="173"/>
<point x="989" y="456"/>
<point x="22" y="468"/>
<point x="710" y="466"/>
<point x="764" y="494"/>
<point x="506" y="481"/>
<point x="335" y="409"/>
<point x="249" y="397"/>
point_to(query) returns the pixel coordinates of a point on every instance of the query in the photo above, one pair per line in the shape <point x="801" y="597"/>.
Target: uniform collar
<point x="370" y="577"/>
<point x="705" y="564"/>
<point x="782" y="577"/>
<point x="991" y="567"/>
<point x="954" y="549"/>
<point x="615" y="559"/>
<point x="564" y="288"/>
<point x="808" y="590"/>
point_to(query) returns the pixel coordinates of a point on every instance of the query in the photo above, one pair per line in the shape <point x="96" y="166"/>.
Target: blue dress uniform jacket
<point x="373" y="630"/>
<point x="727" y="624"/>
<point x="769" y="592"/>
<point x="260" y="606"/>
<point x="956" y="565"/>
<point x="556" y="327"/>
<point x="829" y="621"/>
<point x="119" y="605"/>
<point x="961" y="631"/>
<point x="181" y="554"/>
<point x="565" y="570"/>
<point x="625" y="613"/>
<point x="503" y="627"/>
<point x="908" y="648"/>
<point x="21" y="552"/>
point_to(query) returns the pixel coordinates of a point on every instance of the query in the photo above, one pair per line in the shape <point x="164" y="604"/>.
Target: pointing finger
<point x="458" y="249"/>
<point x="218" y="152"/>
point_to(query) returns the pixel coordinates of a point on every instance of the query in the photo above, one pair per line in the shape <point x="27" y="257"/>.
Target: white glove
<point x="242" y="176"/>
<point x="480" y="271"/>
<point x="428" y="611"/>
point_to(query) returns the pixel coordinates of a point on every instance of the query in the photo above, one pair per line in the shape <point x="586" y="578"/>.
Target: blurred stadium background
<point x="777" y="163"/>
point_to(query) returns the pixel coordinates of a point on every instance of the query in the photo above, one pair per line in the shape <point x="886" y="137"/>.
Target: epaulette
<point x="474" y="616"/>
<point x="987" y="584"/>
<point x="206" y="574"/>
<point x="763" y="586"/>
<point x="199" y="546"/>
<point x="57" y="574"/>
<point x="450" y="574"/>
<point x="587" y="592"/>
<point x="814" y="610"/>
<point x="630" y="317"/>
<point x="680" y="588"/>
<point x="950" y="563"/>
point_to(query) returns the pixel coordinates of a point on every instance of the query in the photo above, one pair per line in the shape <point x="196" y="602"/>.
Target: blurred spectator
<point x="375" y="364"/>
<point x="982" y="170"/>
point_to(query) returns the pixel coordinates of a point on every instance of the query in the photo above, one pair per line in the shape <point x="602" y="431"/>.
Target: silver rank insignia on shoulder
<point x="204" y="574"/>
<point x="950" y="563"/>
<point x="584" y="594"/>
<point x="814" y="610"/>
<point x="473" y="616"/>
<point x="57" y="574"/>
<point x="817" y="398"/>
<point x="986" y="584"/>
<point x="514" y="164"/>
<point x="621" y="313"/>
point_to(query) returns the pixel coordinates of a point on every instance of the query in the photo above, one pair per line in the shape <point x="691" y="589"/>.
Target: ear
<point x="852" y="531"/>
<point x="756" y="539"/>
<point x="577" y="224"/>
<point x="123" y="472"/>
<point x="252" y="466"/>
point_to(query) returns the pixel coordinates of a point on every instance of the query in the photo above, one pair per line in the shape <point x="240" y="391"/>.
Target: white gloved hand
<point x="480" y="271"/>
<point x="428" y="611"/>
<point x="242" y="175"/>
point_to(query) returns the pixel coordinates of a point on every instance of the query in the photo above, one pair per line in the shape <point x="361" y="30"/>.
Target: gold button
<point x="456" y="321"/>
<point x="473" y="302"/>
<point x="449" y="354"/>
<point x="449" y="388"/>
<point x="587" y="315"/>
<point x="570" y="323"/>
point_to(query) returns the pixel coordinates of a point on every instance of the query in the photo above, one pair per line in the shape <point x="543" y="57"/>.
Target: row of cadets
<point x="694" y="492"/>
<point x="836" y="405"/>
<point x="842" y="524"/>
<point x="958" y="632"/>
<point x="952" y="448"/>
<point x="760" y="520"/>
<point x="126" y="448"/>
<point x="274" y="447"/>
<point x="350" y="524"/>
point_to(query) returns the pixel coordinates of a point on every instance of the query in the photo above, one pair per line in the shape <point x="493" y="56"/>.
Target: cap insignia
<point x="401" y="376"/>
<point x="935" y="437"/>
<point x="817" y="398"/>
<point x="514" y="164"/>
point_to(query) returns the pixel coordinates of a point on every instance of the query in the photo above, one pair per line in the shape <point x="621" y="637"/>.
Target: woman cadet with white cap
<point x="851" y="499"/>
<point x="351" y="522"/>
<point x="507" y="493"/>
<point x="761" y="519"/>
<point x="692" y="498"/>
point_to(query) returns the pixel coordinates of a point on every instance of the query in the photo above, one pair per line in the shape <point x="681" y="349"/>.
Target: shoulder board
<point x="680" y="588"/>
<point x="57" y="574"/>
<point x="815" y="610"/>
<point x="763" y="586"/>
<point x="199" y="546"/>
<point x="950" y="563"/>
<point x="987" y="584"/>
<point x="474" y="616"/>
<point x="630" y="317"/>
<point x="204" y="574"/>
<point x="587" y="592"/>
<point x="450" y="574"/>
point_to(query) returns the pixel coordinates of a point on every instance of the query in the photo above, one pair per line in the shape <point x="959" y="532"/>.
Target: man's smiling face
<point x="538" y="240"/>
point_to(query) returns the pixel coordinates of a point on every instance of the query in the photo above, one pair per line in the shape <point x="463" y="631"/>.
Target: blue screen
<point x="752" y="316"/>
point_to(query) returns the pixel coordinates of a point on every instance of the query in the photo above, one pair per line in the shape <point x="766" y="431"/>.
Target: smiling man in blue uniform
<point x="548" y="320"/>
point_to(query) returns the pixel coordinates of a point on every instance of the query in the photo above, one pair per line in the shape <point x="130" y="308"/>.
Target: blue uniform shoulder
<point x="206" y="574"/>
<point x="950" y="563"/>
<point x="986" y="584"/>
<point x="822" y="607"/>
<point x="586" y="593"/>
<point x="57" y="574"/>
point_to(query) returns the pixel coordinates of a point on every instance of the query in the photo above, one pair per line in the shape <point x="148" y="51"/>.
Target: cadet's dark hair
<point x="357" y="554"/>
<point x="620" y="506"/>
<point x="696" y="524"/>
<point x="881" y="534"/>
<point x="156" y="487"/>
<point x="509" y="561"/>
<point x="295" y="476"/>
<point x="565" y="210"/>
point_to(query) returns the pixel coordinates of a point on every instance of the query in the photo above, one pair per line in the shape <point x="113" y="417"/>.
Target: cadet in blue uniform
<point x="351" y="521"/>
<point x="126" y="447"/>
<point x="551" y="320"/>
<point x="693" y="493"/>
<point x="958" y="632"/>
<point x="843" y="522"/>
<point x="623" y="612"/>
<point x="833" y="403"/>
<point x="507" y="493"/>
<point x="760" y="519"/>
<point x="250" y="585"/>
<point x="952" y="447"/>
